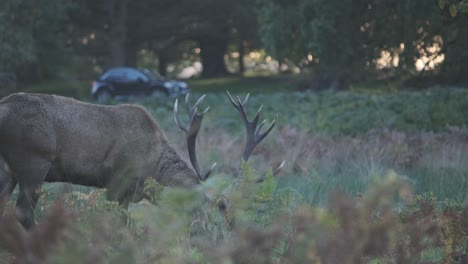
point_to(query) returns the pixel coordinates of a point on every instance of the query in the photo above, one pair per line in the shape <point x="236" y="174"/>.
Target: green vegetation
<point x="398" y="159"/>
<point x="345" y="112"/>
<point x="254" y="85"/>
<point x="263" y="223"/>
<point x="334" y="113"/>
<point x="358" y="39"/>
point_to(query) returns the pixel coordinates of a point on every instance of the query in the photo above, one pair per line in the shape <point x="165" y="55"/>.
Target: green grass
<point x="267" y="84"/>
<point x="338" y="113"/>
<point x="349" y="141"/>
<point x="255" y="84"/>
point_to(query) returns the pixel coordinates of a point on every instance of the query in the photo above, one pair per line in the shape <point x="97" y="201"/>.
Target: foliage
<point x="314" y="27"/>
<point x="32" y="46"/>
<point x="348" y="112"/>
<point x="353" y="40"/>
<point x="185" y="228"/>
<point x="161" y="28"/>
<point x="454" y="6"/>
<point x="350" y="37"/>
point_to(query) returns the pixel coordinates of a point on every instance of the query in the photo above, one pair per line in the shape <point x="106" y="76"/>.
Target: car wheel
<point x="104" y="96"/>
<point x="158" y="93"/>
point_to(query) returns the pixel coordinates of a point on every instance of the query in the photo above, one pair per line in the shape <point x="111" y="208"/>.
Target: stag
<point x="49" y="138"/>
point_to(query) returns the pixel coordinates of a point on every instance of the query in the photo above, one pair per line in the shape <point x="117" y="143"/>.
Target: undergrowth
<point x="259" y="223"/>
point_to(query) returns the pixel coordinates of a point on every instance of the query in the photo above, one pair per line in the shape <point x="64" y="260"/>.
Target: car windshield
<point x="153" y="75"/>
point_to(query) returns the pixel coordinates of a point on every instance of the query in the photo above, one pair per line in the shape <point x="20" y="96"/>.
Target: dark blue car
<point x="128" y="82"/>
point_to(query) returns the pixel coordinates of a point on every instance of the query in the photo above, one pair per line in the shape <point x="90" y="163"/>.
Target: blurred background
<point x="316" y="44"/>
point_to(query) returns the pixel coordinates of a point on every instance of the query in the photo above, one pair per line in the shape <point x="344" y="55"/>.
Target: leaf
<point x="453" y="10"/>
<point x="247" y="172"/>
<point x="442" y="3"/>
<point x="464" y="8"/>
<point x="269" y="184"/>
<point x="267" y="188"/>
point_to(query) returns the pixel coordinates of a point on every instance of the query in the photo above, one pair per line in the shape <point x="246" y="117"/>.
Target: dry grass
<point x="368" y="155"/>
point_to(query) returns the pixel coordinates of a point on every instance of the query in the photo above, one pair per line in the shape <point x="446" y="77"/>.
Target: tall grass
<point x="372" y="150"/>
<point x="353" y="148"/>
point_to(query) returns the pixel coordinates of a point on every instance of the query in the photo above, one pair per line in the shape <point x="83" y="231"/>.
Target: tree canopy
<point x="358" y="39"/>
<point x="31" y="43"/>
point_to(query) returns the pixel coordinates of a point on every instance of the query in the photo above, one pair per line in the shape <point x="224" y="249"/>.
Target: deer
<point x="50" y="138"/>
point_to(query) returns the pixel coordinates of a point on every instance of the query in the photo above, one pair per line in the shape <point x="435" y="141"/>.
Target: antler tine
<point x="257" y="116"/>
<point x="246" y="99"/>
<point x="207" y="174"/>
<point x="200" y="100"/>
<point x="176" y="116"/>
<point x="279" y="167"/>
<point x="262" y="179"/>
<point x="260" y="136"/>
<point x="187" y="107"/>
<point x="239" y="105"/>
<point x="195" y="120"/>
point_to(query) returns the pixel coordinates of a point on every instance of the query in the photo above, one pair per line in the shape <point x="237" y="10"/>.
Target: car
<point x="128" y="82"/>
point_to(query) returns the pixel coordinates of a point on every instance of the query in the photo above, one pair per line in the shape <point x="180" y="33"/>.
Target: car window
<point x="115" y="75"/>
<point x="153" y="75"/>
<point x="134" y="75"/>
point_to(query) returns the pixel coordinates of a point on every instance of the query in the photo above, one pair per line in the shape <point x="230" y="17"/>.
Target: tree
<point x="214" y="23"/>
<point x="32" y="43"/>
<point x="159" y="25"/>
<point x="351" y="36"/>
<point x="328" y="30"/>
<point x="455" y="68"/>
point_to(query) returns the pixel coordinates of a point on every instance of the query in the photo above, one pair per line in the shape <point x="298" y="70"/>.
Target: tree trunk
<point x="454" y="68"/>
<point x="118" y="32"/>
<point x="212" y="51"/>
<point x="241" y="57"/>
<point x="132" y="55"/>
<point x="162" y="65"/>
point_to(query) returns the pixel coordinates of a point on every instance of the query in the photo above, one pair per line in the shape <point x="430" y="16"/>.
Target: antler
<point x="254" y="134"/>
<point x="191" y="131"/>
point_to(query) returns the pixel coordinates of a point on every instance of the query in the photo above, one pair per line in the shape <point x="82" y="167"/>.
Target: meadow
<point x="372" y="176"/>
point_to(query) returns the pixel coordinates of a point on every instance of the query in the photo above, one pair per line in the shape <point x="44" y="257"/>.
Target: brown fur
<point x="58" y="139"/>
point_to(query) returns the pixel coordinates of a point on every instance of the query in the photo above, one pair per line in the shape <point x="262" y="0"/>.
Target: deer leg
<point x="114" y="194"/>
<point x="30" y="180"/>
<point x="7" y="185"/>
<point x="27" y="199"/>
<point x="125" y="188"/>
